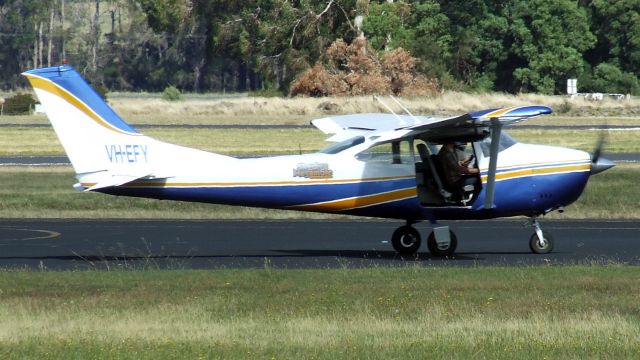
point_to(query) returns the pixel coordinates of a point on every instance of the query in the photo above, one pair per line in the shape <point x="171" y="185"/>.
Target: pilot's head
<point x="459" y="145"/>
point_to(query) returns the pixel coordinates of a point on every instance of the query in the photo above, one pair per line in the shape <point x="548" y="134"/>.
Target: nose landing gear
<point x="540" y="242"/>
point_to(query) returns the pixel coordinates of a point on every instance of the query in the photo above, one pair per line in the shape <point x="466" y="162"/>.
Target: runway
<point x="174" y="244"/>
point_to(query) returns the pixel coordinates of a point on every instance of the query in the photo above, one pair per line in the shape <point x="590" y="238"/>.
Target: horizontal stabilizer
<point x="115" y="180"/>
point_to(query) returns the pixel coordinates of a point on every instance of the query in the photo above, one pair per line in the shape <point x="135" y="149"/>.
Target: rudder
<point x="94" y="137"/>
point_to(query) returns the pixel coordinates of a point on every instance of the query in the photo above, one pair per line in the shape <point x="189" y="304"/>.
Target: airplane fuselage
<point x="547" y="179"/>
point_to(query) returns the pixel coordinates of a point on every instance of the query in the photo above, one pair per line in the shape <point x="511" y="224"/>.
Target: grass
<point x="247" y="110"/>
<point x="47" y="193"/>
<point x="448" y="103"/>
<point x="245" y="141"/>
<point x="616" y="141"/>
<point x="28" y="141"/>
<point x="572" y="312"/>
<point x="25" y="141"/>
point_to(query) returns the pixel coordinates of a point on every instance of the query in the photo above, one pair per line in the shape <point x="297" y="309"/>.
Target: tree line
<point x="254" y="45"/>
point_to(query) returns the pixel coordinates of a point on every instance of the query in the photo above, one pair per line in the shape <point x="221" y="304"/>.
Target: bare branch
<point x="317" y="18"/>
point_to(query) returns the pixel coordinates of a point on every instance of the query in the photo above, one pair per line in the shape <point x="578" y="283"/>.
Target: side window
<point x="398" y="152"/>
<point x="403" y="154"/>
<point x="432" y="149"/>
<point x="506" y="141"/>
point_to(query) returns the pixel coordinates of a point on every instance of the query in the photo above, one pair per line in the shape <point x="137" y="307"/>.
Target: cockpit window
<point x="506" y="141"/>
<point x="343" y="145"/>
<point x="397" y="152"/>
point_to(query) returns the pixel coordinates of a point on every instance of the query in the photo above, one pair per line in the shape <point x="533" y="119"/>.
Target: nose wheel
<point x="541" y="242"/>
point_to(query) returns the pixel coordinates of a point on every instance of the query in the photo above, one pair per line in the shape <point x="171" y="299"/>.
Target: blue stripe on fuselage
<point x="519" y="196"/>
<point x="70" y="80"/>
<point x="278" y="196"/>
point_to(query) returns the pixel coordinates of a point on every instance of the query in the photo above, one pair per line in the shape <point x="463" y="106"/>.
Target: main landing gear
<point x="441" y="242"/>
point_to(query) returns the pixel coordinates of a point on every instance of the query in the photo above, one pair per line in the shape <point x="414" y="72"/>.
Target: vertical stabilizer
<point x="96" y="139"/>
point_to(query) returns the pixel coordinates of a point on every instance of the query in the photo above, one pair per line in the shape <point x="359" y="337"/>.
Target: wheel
<point x="439" y="251"/>
<point x="406" y="240"/>
<point x="538" y="248"/>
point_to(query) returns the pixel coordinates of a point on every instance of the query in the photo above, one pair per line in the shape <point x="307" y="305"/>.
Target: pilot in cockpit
<point x="456" y="173"/>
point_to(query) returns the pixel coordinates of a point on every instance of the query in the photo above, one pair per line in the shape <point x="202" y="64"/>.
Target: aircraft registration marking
<point x="127" y="153"/>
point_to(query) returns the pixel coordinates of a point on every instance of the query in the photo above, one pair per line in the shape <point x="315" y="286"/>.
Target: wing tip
<point x="515" y="111"/>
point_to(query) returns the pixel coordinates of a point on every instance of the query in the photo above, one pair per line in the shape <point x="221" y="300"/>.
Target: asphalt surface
<point x="82" y="244"/>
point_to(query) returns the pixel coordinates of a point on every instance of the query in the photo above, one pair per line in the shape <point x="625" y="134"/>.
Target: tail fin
<point x="94" y="137"/>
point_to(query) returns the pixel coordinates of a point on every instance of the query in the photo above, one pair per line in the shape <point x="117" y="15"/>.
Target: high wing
<point x="390" y="127"/>
<point x="342" y="127"/>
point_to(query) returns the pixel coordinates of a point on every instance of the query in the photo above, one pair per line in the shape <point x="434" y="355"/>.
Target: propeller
<point x="599" y="163"/>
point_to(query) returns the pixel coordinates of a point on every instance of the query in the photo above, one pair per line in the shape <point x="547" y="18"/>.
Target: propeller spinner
<point x="599" y="163"/>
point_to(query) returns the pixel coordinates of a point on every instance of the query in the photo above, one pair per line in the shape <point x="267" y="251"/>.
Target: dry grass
<point x="246" y="110"/>
<point x="250" y="110"/>
<point x="616" y="141"/>
<point x="43" y="141"/>
<point x="564" y="312"/>
<point x="17" y="141"/>
<point x="244" y="141"/>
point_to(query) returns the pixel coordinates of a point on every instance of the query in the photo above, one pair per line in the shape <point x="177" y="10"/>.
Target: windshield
<point x="506" y="141"/>
<point x="343" y="145"/>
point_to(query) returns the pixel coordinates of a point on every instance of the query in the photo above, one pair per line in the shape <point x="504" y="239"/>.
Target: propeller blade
<point x="598" y="162"/>
<point x="598" y="150"/>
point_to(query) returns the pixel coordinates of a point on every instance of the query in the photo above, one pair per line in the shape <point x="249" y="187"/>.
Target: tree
<point x="548" y="40"/>
<point x="617" y="26"/>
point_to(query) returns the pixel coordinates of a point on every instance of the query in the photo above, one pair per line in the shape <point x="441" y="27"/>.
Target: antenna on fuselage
<point x="388" y="108"/>
<point x="403" y="107"/>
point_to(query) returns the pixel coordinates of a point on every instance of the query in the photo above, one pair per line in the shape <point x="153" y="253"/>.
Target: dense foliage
<point x="240" y="45"/>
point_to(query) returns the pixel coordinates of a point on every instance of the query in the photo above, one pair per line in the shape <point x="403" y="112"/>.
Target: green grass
<point x="573" y="312"/>
<point x="47" y="193"/>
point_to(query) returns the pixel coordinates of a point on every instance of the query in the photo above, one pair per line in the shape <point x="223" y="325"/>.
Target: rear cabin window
<point x="388" y="153"/>
<point x="343" y="145"/>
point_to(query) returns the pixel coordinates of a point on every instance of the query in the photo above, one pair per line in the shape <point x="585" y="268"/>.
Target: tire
<point x="535" y="247"/>
<point x="440" y="252"/>
<point x="406" y="240"/>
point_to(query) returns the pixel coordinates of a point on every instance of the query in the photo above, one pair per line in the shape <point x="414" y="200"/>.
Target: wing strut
<point x="496" y="130"/>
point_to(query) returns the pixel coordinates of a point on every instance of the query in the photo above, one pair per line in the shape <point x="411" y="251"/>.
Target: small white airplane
<point x="381" y="165"/>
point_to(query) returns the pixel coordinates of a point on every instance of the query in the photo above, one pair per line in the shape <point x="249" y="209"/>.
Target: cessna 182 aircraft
<point x="381" y="165"/>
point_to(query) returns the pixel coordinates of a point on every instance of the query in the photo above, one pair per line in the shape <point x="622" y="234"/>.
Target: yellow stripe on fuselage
<point x="147" y="183"/>
<point x="55" y="89"/>
<point x="358" y="202"/>
<point x="539" y="171"/>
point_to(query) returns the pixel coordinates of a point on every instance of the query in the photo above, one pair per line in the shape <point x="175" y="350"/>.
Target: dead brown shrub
<point x="355" y="69"/>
